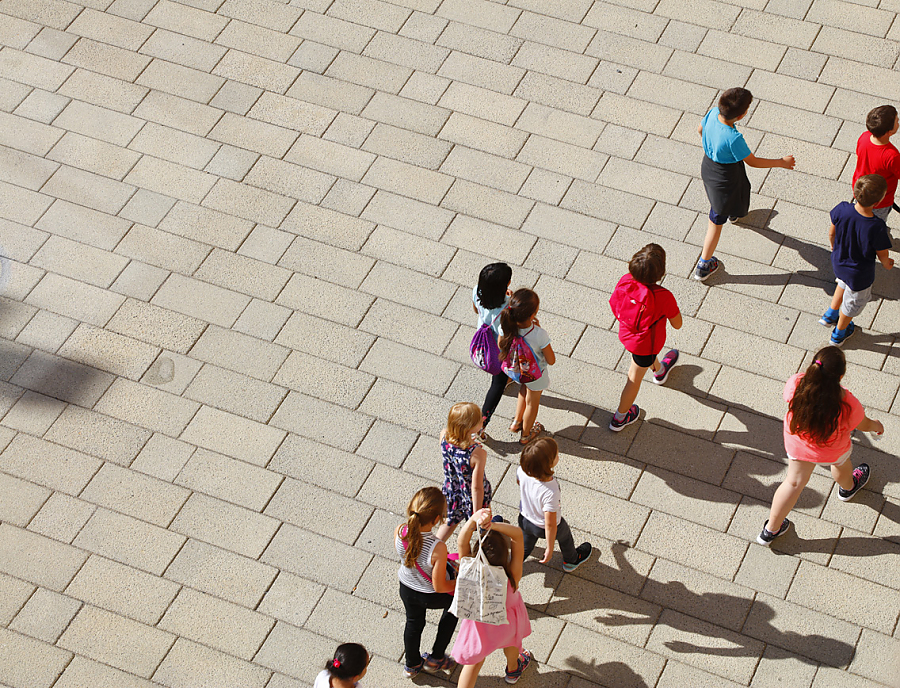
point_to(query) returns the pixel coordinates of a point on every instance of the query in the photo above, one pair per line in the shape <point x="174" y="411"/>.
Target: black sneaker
<point x="860" y="478"/>
<point x="631" y="416"/>
<point x="766" y="536"/>
<point x="584" y="553"/>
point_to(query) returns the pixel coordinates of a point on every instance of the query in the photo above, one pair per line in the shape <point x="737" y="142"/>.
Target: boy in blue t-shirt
<point x="857" y="238"/>
<point x="723" y="172"/>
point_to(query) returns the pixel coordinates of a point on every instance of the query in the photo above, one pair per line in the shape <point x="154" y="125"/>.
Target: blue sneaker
<point x="702" y="272"/>
<point x="838" y="339"/>
<point x="829" y="320"/>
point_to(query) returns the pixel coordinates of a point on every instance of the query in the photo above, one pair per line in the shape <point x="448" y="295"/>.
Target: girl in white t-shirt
<point x="346" y="669"/>
<point x="520" y="318"/>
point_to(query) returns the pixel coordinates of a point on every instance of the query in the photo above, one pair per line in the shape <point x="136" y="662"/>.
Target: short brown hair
<point x="648" y="265"/>
<point x="869" y="189"/>
<point x="734" y="102"/>
<point x="881" y="120"/>
<point x="537" y="458"/>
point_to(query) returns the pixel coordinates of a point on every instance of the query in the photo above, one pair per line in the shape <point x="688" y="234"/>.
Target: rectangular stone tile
<point x="562" y="158"/>
<point x="778" y="119"/>
<point x="239" y="352"/>
<point x="259" y="13"/>
<point x="33" y="70"/>
<point x="300" y="551"/>
<point x="20" y="500"/>
<point x="248" y="202"/>
<point x="686" y="498"/>
<point x="188" y="20"/>
<point x="805" y="632"/>
<point x="48" y="464"/>
<point x="329" y="157"/>
<point x="292" y="113"/>
<point x="407" y="146"/>
<point x="163" y="249"/>
<point x="779" y="321"/>
<point x="622" y="20"/>
<point x="482" y="135"/>
<point x="407" y="214"/>
<point x="191" y="664"/>
<point x="371" y="73"/>
<point x="409" y="366"/>
<point x="624" y="50"/>
<point x="106" y="59"/>
<point x="329" y="226"/>
<point x="201" y="300"/>
<point x="622" y="110"/>
<point x="122" y="589"/>
<point x="38" y="559"/>
<point x="291" y="599"/>
<point x="302" y="504"/>
<point x="82" y="672"/>
<point x="183" y="82"/>
<point x="21" y="205"/>
<point x="91" y="190"/>
<point x="403" y="285"/>
<point x="487" y="204"/>
<point x="325" y="262"/>
<point x="705" y="70"/>
<point x="227" y="479"/>
<point x="178" y="113"/>
<point x="317" y="464"/>
<point x="331" y="93"/>
<point x="402" y="324"/>
<point x="176" y="147"/>
<point x="322" y="421"/>
<point x="24" y="169"/>
<point x="183" y="50"/>
<point x="485" y="169"/>
<point x="115" y="640"/>
<point x="135" y="494"/>
<point x="556" y="62"/>
<point x="406" y="52"/>
<point x="332" y="31"/>
<point x="377" y="14"/>
<point x="558" y="93"/>
<point x="477" y="41"/>
<point x="568" y="227"/>
<point x="328" y="381"/>
<point x="606" y="204"/>
<point x="235" y="393"/>
<point x="661" y="536"/>
<point x="221" y="573"/>
<point x="706" y="646"/>
<point x="482" y="103"/>
<point x="870" y="657"/>
<point x="17" y="33"/>
<point x="289" y="180"/>
<point x="157" y="325"/>
<point x="102" y="90"/>
<point x="232" y="435"/>
<point x="142" y="405"/>
<point x="45" y="664"/>
<point x="460" y="66"/>
<point x="776" y="29"/>
<point x="108" y="351"/>
<point x="837" y="13"/>
<point x="27" y="135"/>
<point x="292" y="650"/>
<point x="500" y="242"/>
<point x="225" y="525"/>
<point x="256" y="71"/>
<point x="93" y="155"/>
<point x="15" y="595"/>
<point x="258" y="40"/>
<point x="98" y="122"/>
<point x="109" y="28"/>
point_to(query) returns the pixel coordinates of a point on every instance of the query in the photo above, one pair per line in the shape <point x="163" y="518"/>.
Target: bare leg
<point x="532" y="403"/>
<point x="445" y="531"/>
<point x="520" y="408"/>
<point x="843" y="321"/>
<point x="843" y="474"/>
<point x="633" y="385"/>
<point x="788" y="492"/>
<point x="469" y="675"/>
<point x="713" y="231"/>
<point x="837" y="299"/>
<point x="512" y="658"/>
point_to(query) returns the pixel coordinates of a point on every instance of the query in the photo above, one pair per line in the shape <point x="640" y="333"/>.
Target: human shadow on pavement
<point x="609" y="674"/>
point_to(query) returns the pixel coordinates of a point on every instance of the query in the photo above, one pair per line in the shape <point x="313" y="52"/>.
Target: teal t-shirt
<point x="721" y="143"/>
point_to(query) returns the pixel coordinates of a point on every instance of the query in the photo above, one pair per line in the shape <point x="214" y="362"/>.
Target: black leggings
<point x="494" y="395"/>
<point x="417" y="603"/>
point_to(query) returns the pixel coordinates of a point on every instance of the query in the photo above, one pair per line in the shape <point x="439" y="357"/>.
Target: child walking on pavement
<point x="875" y="154"/>
<point x="724" y="176"/>
<point x="490" y="296"/>
<point x="858" y="237"/>
<point x="540" y="513"/>
<point x="820" y="417"/>
<point x="642" y="307"/>
<point x="466" y="487"/>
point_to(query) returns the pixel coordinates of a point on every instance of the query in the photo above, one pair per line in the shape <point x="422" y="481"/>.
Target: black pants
<point x="416" y="604"/>
<point x="494" y="395"/>
<point x="532" y="533"/>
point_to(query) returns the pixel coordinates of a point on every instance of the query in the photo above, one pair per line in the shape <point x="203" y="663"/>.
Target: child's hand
<point x="535" y="322"/>
<point x="548" y="555"/>
<point x="889" y="263"/>
<point x="483" y="518"/>
<point x="787" y="162"/>
<point x="879" y="427"/>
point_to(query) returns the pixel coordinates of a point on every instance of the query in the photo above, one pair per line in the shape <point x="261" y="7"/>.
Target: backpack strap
<point x="403" y="533"/>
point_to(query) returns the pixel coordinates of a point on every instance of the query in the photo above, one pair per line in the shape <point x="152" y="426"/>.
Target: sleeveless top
<point x="457" y="487"/>
<point x="409" y="575"/>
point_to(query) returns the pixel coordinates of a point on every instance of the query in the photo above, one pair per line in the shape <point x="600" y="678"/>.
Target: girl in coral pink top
<point x="821" y="415"/>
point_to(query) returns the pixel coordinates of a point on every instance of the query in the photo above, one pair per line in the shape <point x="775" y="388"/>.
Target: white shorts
<point x="854" y="301"/>
<point x="839" y="461"/>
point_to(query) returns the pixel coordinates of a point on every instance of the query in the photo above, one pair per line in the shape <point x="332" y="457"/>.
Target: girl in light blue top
<point x="489" y="297"/>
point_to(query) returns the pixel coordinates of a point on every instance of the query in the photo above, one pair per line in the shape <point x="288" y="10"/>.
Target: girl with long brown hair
<point x="820" y="417"/>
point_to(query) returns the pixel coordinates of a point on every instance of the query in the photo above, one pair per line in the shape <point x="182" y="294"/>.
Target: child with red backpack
<point x="642" y="307"/>
<point x="525" y="353"/>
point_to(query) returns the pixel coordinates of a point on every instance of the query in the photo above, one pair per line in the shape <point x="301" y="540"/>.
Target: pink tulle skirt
<point x="477" y="640"/>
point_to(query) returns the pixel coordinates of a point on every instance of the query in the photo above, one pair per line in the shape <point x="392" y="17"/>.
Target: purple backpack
<point x="484" y="350"/>
<point x="520" y="363"/>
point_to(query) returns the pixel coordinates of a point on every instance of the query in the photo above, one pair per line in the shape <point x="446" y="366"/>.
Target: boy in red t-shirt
<point x="875" y="154"/>
<point x="642" y="308"/>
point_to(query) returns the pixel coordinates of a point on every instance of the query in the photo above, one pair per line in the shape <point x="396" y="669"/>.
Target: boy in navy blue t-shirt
<point x="857" y="237"/>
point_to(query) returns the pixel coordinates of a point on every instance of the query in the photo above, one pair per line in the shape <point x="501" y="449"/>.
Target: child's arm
<point x="786" y="162"/>
<point x="832" y="232"/>
<point x="464" y="539"/>
<point x="676" y="321"/>
<point x="549" y="355"/>
<point x="870" y="425"/>
<point x="885" y="259"/>
<point x="479" y="460"/>
<point x="439" y="569"/>
<point x="700" y="129"/>
<point x="550" y="531"/>
<point x="517" y="542"/>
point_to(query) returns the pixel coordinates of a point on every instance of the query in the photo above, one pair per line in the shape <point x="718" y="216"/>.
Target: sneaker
<point x="522" y="663"/>
<point x="860" y="478"/>
<point x="630" y="417"/>
<point x="412" y="672"/>
<point x="828" y="320"/>
<point x="702" y="273"/>
<point x="838" y="340"/>
<point x="669" y="360"/>
<point x="432" y="665"/>
<point x="584" y="553"/>
<point x="766" y="536"/>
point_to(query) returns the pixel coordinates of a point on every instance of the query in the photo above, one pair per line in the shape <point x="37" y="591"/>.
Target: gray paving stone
<point x="293" y="651"/>
<point x="61" y="517"/>
<point x="47" y="662"/>
<point x="482" y="103"/>
<point x="15" y="595"/>
<point x="135" y="494"/>
<point x="20" y="500"/>
<point x="48" y="464"/>
<point x="225" y="525"/>
<point x="38" y="559"/>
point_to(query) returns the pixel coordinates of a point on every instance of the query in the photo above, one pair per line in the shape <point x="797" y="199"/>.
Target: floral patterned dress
<point x="458" y="482"/>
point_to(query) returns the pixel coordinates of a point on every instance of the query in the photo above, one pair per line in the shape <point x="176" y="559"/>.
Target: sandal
<point x="536" y="430"/>
<point x="432" y="665"/>
<point x="522" y="663"/>
<point x="516" y="426"/>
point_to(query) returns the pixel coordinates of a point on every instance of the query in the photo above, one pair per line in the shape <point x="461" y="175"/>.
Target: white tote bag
<point x="480" y="590"/>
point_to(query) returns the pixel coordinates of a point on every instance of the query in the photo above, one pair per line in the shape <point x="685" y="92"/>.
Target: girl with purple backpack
<point x="519" y="320"/>
<point x="489" y="298"/>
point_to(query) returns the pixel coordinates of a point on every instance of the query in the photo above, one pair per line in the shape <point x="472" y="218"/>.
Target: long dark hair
<point x="523" y="304"/>
<point x="492" y="283"/>
<point x="818" y="401"/>
<point x="426" y="506"/>
<point x="350" y="659"/>
<point x="497" y="551"/>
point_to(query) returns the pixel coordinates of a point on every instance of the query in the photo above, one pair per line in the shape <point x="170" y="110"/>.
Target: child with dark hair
<point x="642" y="308"/>
<point x="723" y="172"/>
<point x="858" y="237"/>
<point x="821" y="415"/>
<point x="424" y="583"/>
<point x="489" y="297"/>
<point x="875" y="154"/>
<point x="346" y="669"/>
<point x="520" y="318"/>
<point x="476" y="640"/>
<point x="540" y="513"/>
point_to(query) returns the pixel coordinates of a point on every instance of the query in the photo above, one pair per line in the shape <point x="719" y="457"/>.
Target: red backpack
<point x="634" y="304"/>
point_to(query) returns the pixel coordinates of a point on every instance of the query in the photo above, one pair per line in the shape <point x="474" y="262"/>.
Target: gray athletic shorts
<point x="854" y="301"/>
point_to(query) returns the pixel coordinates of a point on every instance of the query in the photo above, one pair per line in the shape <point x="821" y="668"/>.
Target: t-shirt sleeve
<point x="739" y="147"/>
<point x="835" y="214"/>
<point x="881" y="239"/>
<point x="550" y="500"/>
<point x="666" y="303"/>
<point x="857" y="412"/>
<point x="541" y="338"/>
<point x="790" y="387"/>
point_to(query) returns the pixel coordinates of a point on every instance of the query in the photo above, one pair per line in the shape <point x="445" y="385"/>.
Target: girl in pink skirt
<point x="503" y="546"/>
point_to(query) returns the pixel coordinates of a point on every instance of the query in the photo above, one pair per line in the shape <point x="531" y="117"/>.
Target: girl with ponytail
<point x="520" y="318"/>
<point x="424" y="583"/>
<point x="346" y="669"/>
<point x="820" y="417"/>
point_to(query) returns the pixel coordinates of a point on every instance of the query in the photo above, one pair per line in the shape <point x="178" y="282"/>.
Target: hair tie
<point x="817" y="362"/>
<point x="336" y="664"/>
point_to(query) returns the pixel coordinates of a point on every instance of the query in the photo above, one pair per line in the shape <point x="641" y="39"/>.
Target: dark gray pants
<point x="532" y="533"/>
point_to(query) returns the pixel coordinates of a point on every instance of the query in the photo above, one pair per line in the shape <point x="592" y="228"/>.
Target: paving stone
<point x="135" y="494"/>
<point x="673" y="93"/>
<point x="61" y="517"/>
<point x="191" y="664"/>
<point x="38" y="559"/>
<point x="612" y="47"/>
<point x="232" y="435"/>
<point x="15" y="595"/>
<point x="482" y="103"/>
<point x="20" y="500"/>
<point x="177" y="112"/>
<point x="47" y="662"/>
<point x="225" y="525"/>
<point x="293" y="651"/>
<point x="868" y="660"/>
<point x="82" y="672"/>
<point x="302" y="504"/>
